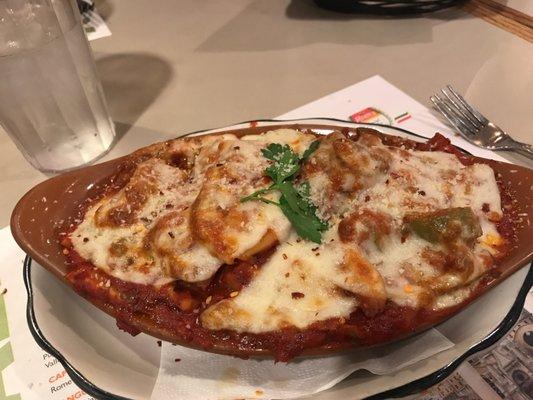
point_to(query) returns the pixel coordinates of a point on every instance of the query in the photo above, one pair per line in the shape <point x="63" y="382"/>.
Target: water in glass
<point x="51" y="101"/>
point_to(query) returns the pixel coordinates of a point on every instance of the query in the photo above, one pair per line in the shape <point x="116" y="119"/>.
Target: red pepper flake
<point x="177" y="359"/>
<point x="421" y="193"/>
<point x="367" y="198"/>
<point x="85" y="239"/>
<point x="287" y="275"/>
<point x="171" y="234"/>
<point x="394" y="175"/>
<point x="284" y="256"/>
<point x="159" y="343"/>
<point x="485" y="207"/>
<point x="297" y="295"/>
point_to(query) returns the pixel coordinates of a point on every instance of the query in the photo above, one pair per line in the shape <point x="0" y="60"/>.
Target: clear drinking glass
<point x="51" y="101"/>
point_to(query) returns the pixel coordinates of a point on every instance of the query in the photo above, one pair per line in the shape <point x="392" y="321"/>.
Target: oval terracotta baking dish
<point x="39" y="216"/>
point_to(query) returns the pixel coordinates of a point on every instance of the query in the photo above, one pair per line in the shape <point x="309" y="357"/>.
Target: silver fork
<point x="473" y="126"/>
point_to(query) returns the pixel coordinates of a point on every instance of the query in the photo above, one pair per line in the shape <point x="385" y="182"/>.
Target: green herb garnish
<point x="294" y="201"/>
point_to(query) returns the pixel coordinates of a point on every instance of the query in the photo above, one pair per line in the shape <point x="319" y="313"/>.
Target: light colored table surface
<point x="171" y="67"/>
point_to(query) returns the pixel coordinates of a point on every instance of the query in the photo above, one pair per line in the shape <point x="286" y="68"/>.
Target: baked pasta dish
<point x="287" y="241"/>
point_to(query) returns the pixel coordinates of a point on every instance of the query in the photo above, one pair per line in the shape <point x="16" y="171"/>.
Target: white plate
<point x="110" y="364"/>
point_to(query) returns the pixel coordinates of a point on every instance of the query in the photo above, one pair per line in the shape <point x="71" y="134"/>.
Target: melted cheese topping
<point x="183" y="223"/>
<point x="227" y="227"/>
<point x="113" y="232"/>
<point x="290" y="290"/>
<point x="180" y="218"/>
<point x="300" y="284"/>
<point x="420" y="182"/>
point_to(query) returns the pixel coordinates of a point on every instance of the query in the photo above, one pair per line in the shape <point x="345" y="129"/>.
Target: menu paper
<point x="94" y="25"/>
<point x="28" y="373"/>
<point x="505" y="372"/>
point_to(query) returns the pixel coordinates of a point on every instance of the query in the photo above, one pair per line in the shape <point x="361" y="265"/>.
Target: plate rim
<point x="409" y="388"/>
<point x="309" y="120"/>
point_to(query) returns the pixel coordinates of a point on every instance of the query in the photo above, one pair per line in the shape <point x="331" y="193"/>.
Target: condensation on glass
<point x="51" y="101"/>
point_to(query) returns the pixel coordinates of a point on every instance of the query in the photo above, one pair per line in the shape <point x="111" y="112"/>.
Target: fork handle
<point x="522" y="148"/>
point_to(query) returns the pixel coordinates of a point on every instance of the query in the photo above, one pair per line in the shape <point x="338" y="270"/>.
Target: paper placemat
<point x="377" y="101"/>
<point x="28" y="373"/>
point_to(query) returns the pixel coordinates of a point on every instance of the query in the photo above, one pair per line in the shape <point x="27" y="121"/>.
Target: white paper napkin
<point x="192" y="374"/>
<point x="204" y="376"/>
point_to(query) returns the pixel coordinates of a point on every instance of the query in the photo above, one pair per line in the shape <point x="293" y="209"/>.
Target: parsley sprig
<point x="294" y="201"/>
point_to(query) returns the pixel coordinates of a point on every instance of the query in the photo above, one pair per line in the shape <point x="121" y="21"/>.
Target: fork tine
<point x="480" y="117"/>
<point x="460" y="109"/>
<point x="458" y="115"/>
<point x="467" y="136"/>
<point x="452" y="119"/>
<point x="441" y="109"/>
